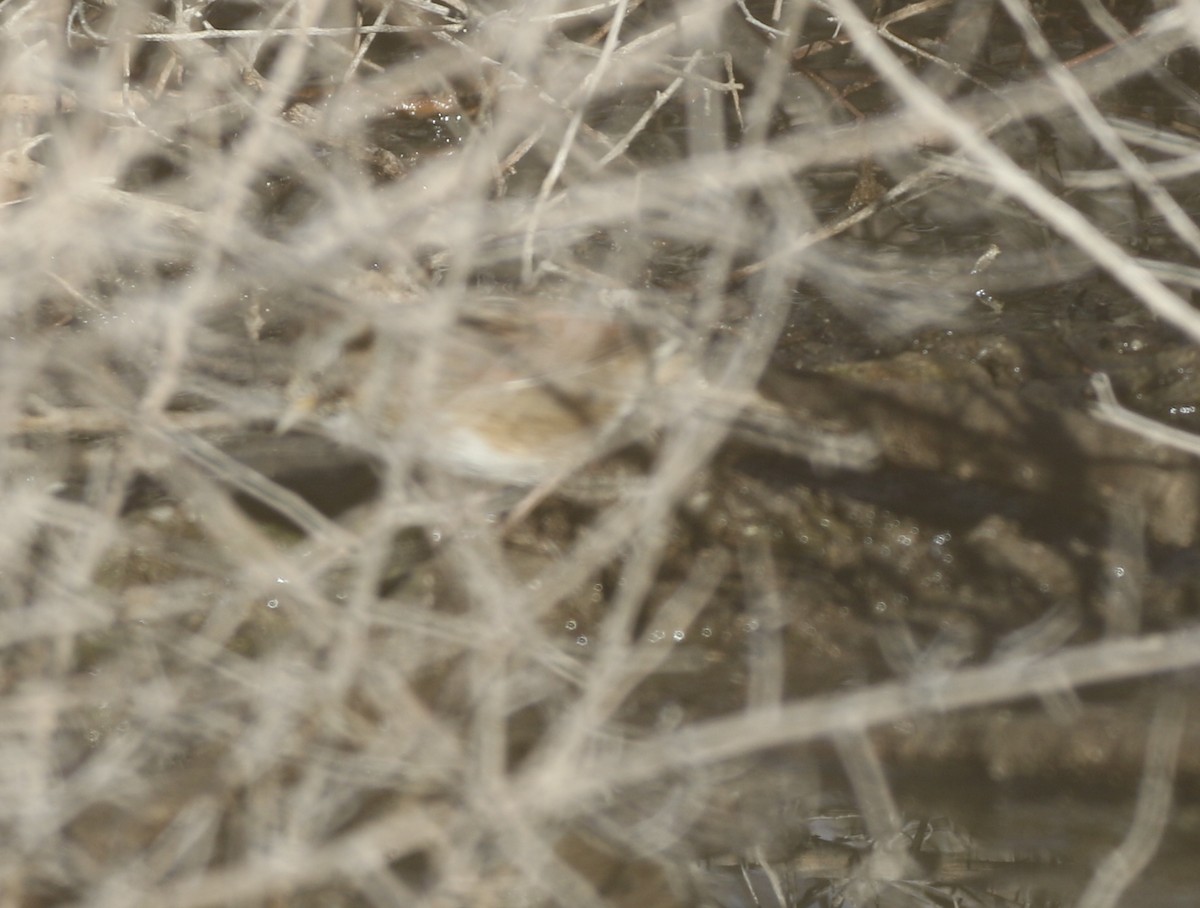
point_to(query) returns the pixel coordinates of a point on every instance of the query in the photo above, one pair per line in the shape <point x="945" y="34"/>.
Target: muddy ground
<point x="251" y="659"/>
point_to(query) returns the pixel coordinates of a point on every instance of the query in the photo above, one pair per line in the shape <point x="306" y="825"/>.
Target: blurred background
<point x="636" y="453"/>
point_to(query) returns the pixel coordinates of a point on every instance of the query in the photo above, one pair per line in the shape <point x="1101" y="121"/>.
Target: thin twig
<point x="1108" y="409"/>
<point x="1127" y="861"/>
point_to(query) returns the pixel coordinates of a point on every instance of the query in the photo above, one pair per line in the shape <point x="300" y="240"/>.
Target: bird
<point x="525" y="390"/>
<point x="545" y="397"/>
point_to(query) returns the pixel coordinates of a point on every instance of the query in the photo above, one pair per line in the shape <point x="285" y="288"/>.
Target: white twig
<point x="1108" y="409"/>
<point x="1127" y="861"/>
